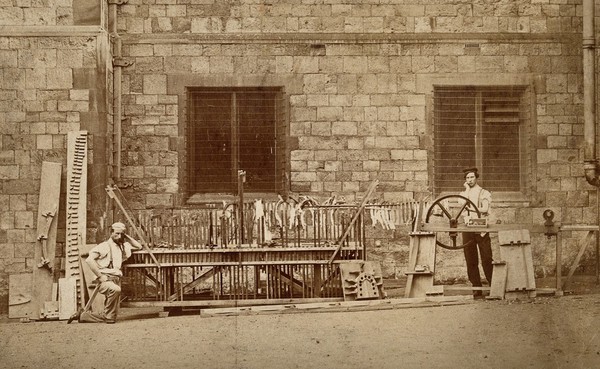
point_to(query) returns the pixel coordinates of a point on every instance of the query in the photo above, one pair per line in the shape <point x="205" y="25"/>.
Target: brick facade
<point x="359" y="78"/>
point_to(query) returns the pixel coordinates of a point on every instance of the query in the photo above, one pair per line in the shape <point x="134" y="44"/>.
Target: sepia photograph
<point x="308" y="184"/>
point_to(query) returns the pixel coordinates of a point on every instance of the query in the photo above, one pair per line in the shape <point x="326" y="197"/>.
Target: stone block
<point x="344" y="128"/>
<point x="8" y="58"/>
<point x="155" y="84"/>
<point x="371" y="165"/>
<point x="76" y="106"/>
<point x="325" y="154"/>
<point x="24" y="219"/>
<point x="333" y="186"/>
<point x="321" y="129"/>
<point x="298" y="166"/>
<point x="15" y="235"/>
<point x="304" y="176"/>
<point x="44" y="142"/>
<point x="133" y="171"/>
<point x="59" y="78"/>
<point x="159" y="200"/>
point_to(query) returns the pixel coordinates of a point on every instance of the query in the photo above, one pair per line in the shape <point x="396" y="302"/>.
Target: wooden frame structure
<point x="291" y="251"/>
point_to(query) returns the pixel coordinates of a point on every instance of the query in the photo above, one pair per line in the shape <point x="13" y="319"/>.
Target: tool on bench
<point x="43" y="238"/>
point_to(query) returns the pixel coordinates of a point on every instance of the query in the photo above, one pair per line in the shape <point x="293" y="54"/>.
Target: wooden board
<point x="518" y="256"/>
<point x="362" y="305"/>
<point x="514" y="236"/>
<point x="19" y="295"/>
<point x="584" y="244"/>
<point x="76" y="206"/>
<point x="67" y="298"/>
<point x="498" y="287"/>
<point x="422" y="253"/>
<point x="47" y="222"/>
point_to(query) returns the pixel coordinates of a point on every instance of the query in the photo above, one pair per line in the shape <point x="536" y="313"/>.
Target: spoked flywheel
<point x="441" y="208"/>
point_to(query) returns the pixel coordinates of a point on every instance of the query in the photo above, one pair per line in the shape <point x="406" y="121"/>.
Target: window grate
<point x="236" y="129"/>
<point x="483" y="127"/>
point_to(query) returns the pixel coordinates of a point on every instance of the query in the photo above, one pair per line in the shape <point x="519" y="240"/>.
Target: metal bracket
<point x="117" y="2"/>
<point x="122" y="62"/>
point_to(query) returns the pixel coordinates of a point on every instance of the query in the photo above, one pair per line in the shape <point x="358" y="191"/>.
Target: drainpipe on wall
<point x="590" y="163"/>
<point x="117" y="65"/>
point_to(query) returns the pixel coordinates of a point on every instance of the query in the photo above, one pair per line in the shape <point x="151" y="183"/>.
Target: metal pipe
<point x="589" y="94"/>
<point x="117" y="72"/>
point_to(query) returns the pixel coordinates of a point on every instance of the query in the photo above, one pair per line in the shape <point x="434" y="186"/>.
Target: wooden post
<point x="559" y="291"/>
<point x="112" y="195"/>
<point x="341" y="240"/>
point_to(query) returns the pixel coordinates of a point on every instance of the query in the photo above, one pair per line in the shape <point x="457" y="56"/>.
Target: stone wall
<point x="47" y="89"/>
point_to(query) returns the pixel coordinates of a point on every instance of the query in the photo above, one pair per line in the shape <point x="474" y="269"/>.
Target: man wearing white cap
<point x="105" y="261"/>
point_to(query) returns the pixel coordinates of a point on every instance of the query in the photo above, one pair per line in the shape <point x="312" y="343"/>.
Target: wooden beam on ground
<point x="227" y="303"/>
<point x="341" y="306"/>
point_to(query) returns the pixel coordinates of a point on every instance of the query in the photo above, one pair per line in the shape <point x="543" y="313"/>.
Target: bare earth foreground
<point x="545" y="332"/>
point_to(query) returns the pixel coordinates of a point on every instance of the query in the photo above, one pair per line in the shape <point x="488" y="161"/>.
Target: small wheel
<point x="452" y="216"/>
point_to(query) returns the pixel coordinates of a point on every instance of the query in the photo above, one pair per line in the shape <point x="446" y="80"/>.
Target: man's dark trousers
<point x="478" y="245"/>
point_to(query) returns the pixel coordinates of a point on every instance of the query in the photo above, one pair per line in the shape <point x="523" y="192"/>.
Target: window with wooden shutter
<point x="483" y="127"/>
<point x="233" y="129"/>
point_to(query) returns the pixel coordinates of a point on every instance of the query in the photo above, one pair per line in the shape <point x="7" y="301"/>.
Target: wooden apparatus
<point x="286" y="253"/>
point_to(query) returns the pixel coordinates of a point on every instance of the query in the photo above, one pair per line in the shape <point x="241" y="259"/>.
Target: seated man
<point x="105" y="261"/>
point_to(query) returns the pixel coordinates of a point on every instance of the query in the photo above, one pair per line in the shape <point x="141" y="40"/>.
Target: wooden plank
<point x="465" y="288"/>
<point x="584" y="244"/>
<point x="228" y="303"/>
<point x="76" y="206"/>
<point x="579" y="227"/>
<point x="19" y="295"/>
<point x="67" y="300"/>
<point x="533" y="228"/>
<point x="422" y="254"/>
<point x="47" y="223"/>
<point x="498" y="287"/>
<point x="519" y="260"/>
<point x="435" y="290"/>
<point x="514" y="236"/>
<point x="360" y="305"/>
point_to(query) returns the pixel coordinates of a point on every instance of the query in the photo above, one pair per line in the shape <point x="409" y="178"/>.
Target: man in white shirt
<point x="477" y="241"/>
<point x="105" y="260"/>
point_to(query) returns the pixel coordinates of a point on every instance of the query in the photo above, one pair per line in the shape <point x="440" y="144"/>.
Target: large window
<point x="483" y="127"/>
<point x="233" y="129"/>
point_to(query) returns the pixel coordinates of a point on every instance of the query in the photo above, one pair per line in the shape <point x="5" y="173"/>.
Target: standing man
<point x="477" y="241"/>
<point x="105" y="261"/>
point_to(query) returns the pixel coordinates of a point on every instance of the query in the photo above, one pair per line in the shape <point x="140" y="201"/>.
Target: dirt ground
<point x="543" y="332"/>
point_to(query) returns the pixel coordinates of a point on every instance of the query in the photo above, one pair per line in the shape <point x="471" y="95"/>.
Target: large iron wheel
<point x="452" y="215"/>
